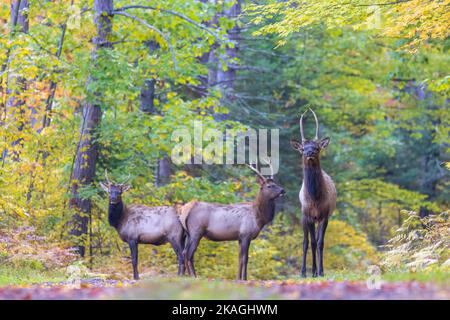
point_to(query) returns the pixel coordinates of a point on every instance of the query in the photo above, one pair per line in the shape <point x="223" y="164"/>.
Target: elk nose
<point x="282" y="191"/>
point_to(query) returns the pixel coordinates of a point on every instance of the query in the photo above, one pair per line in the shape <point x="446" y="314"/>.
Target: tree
<point x="227" y="66"/>
<point x="15" y="86"/>
<point x="87" y="150"/>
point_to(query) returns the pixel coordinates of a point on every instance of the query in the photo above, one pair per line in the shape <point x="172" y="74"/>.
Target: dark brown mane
<point x="265" y="209"/>
<point x="313" y="179"/>
<point x="115" y="212"/>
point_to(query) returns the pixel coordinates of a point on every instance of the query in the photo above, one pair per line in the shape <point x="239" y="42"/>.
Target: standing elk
<point x="317" y="195"/>
<point x="220" y="222"/>
<point x="141" y="224"/>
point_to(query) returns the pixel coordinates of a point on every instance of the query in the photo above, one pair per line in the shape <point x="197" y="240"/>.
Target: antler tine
<point x="256" y="171"/>
<point x="126" y="179"/>
<point x="269" y="163"/>
<point x="302" y="134"/>
<point x="317" y="124"/>
<point x="107" y="178"/>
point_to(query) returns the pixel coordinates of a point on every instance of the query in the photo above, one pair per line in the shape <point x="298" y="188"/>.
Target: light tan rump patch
<point x="184" y="210"/>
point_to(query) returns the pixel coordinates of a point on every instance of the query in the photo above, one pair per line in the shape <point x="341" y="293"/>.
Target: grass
<point x="25" y="275"/>
<point x="341" y="275"/>
<point x="195" y="289"/>
<point x="13" y="276"/>
<point x="438" y="277"/>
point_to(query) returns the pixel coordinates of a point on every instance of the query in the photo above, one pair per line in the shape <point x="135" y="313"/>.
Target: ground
<point x="185" y="288"/>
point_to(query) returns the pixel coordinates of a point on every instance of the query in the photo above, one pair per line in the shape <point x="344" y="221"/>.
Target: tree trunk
<point x="87" y="151"/>
<point x="147" y="99"/>
<point x="164" y="170"/>
<point x="147" y="104"/>
<point x="18" y="16"/>
<point x="46" y="119"/>
<point x="17" y="85"/>
<point x="19" y="23"/>
<point x="226" y="78"/>
<point x="211" y="58"/>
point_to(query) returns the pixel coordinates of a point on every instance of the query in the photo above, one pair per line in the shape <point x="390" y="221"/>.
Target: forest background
<point x="94" y="85"/>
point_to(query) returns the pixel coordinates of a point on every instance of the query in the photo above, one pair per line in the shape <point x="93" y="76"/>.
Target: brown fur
<point x="317" y="196"/>
<point x="138" y="223"/>
<point x="222" y="222"/>
<point x="184" y="210"/>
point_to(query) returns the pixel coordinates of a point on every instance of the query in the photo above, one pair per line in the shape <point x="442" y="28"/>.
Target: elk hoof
<point x="303" y="274"/>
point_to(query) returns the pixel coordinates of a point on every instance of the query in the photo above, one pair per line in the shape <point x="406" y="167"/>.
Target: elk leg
<point x="178" y="248"/>
<point x="192" y="246"/>
<point x="322" y="228"/>
<point x="312" y="232"/>
<point x="305" y="246"/>
<point x="134" y="257"/>
<point x="239" y="276"/>
<point x="186" y="243"/>
<point x="181" y="266"/>
<point x="245" y="246"/>
<point x="181" y="263"/>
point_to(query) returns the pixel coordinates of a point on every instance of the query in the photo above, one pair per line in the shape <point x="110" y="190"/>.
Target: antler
<point x="317" y="124"/>
<point x="269" y="163"/>
<point x="301" y="126"/>
<point x="126" y="180"/>
<point x="110" y="182"/>
<point x="107" y="178"/>
<point x="256" y="171"/>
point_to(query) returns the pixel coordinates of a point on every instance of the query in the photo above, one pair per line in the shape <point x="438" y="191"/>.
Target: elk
<point x="220" y="222"/>
<point x="141" y="224"/>
<point x="317" y="195"/>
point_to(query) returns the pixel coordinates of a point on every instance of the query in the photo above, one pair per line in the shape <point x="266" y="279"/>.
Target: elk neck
<point x="313" y="179"/>
<point x="115" y="213"/>
<point x="265" y="209"/>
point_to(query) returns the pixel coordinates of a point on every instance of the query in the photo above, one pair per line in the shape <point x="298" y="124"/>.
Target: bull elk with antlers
<point x="141" y="224"/>
<point x="317" y="195"/>
<point x="220" y="222"/>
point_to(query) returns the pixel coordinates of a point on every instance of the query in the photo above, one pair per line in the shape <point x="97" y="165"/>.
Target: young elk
<point x="317" y="196"/>
<point x="241" y="222"/>
<point x="141" y="224"/>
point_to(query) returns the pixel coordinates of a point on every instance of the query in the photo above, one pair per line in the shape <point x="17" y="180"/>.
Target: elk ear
<point x="125" y="187"/>
<point x="324" y="142"/>
<point x="297" y="145"/>
<point x="260" y="180"/>
<point x="104" y="187"/>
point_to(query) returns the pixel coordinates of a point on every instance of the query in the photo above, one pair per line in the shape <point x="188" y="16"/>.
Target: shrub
<point x="22" y="248"/>
<point x="276" y="253"/>
<point x="420" y="244"/>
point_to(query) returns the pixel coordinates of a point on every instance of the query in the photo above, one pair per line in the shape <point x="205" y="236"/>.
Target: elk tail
<point x="183" y="213"/>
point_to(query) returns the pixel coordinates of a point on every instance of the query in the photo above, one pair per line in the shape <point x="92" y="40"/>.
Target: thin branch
<point x="253" y="97"/>
<point x="368" y="4"/>
<point x="382" y="4"/>
<point x="50" y="53"/>
<point x="174" y="13"/>
<point x="154" y="29"/>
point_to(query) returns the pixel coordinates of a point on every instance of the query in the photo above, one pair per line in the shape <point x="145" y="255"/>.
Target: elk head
<point x="114" y="190"/>
<point x="268" y="188"/>
<point x="310" y="149"/>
